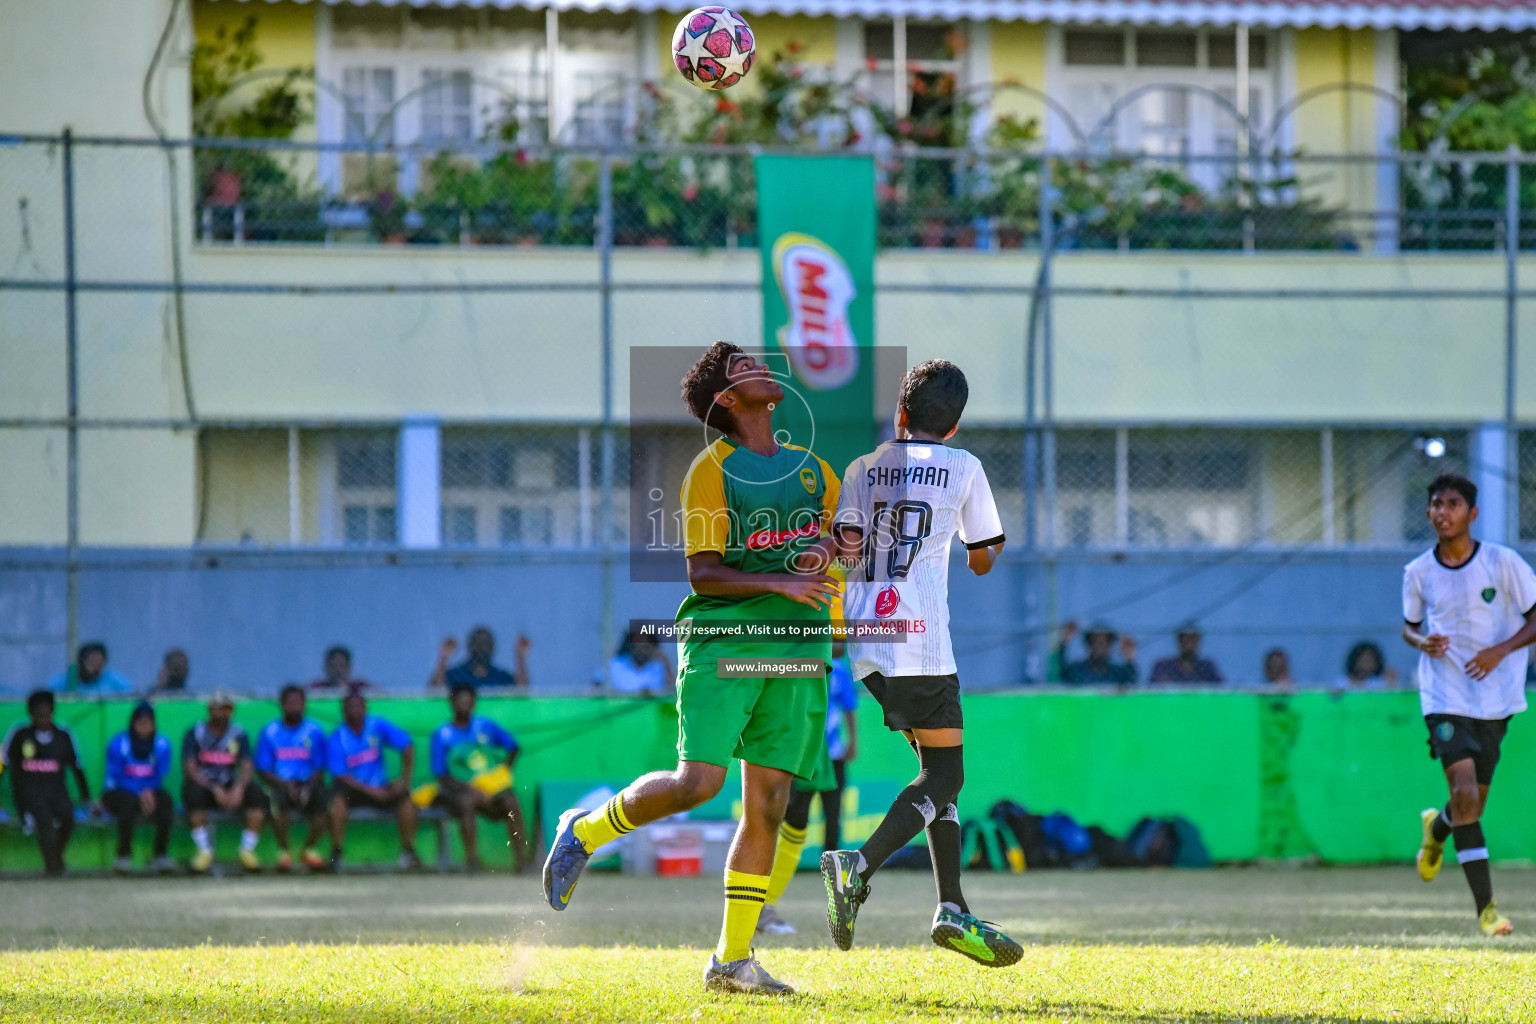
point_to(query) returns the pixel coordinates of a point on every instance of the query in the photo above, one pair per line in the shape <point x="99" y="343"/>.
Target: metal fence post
<point x="1511" y="338"/>
<point x="72" y="386"/>
<point x="1047" y="392"/>
<point x="605" y="513"/>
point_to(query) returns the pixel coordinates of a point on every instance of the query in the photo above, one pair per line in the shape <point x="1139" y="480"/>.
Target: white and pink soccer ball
<point x="713" y="47"/>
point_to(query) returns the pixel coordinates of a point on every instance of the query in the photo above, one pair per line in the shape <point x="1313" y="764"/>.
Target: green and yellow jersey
<point x="758" y="512"/>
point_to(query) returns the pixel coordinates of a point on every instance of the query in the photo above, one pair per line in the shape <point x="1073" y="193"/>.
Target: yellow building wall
<point x="138" y="487"/>
<point x="285" y="39"/>
<point x="1018" y="57"/>
<point x="1337" y="120"/>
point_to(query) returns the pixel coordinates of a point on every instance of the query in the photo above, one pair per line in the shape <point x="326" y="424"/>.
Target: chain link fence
<point x="82" y="221"/>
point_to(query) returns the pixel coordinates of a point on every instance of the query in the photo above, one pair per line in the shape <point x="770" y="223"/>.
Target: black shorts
<point x="315" y="802"/>
<point x="917" y="702"/>
<point x="356" y="798"/>
<point x="1455" y="738"/>
<point x="199" y="798"/>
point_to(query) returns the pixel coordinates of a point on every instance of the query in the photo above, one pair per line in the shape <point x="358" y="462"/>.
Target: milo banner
<point x="816" y="231"/>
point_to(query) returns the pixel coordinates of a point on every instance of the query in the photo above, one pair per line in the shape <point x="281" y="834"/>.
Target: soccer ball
<point x="713" y="47"/>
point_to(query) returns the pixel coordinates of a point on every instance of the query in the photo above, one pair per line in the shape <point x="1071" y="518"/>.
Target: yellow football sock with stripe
<point x="603" y="825"/>
<point x="744" y="897"/>
<point x="786" y="860"/>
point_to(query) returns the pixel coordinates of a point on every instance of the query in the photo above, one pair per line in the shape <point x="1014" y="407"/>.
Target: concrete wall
<point x="253" y="622"/>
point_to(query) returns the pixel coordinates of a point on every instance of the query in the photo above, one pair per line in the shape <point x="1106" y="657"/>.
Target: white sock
<point x="248" y="840"/>
<point x="201" y="839"/>
<point x="953" y="908"/>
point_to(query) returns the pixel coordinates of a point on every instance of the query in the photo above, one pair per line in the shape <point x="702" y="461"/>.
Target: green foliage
<point x="510" y="198"/>
<point x="263" y="183"/>
<point x="221" y="66"/>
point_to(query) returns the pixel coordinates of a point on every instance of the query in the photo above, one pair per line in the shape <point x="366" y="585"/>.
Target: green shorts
<point x="825" y="779"/>
<point x="776" y="723"/>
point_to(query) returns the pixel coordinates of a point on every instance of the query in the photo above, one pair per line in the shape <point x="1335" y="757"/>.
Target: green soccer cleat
<point x="846" y="892"/>
<point x="745" y="975"/>
<point x="979" y="940"/>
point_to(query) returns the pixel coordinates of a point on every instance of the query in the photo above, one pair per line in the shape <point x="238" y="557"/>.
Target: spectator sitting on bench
<point x="216" y="763"/>
<point x="290" y="758"/>
<point x="138" y="760"/>
<point x="356" y="754"/>
<point x="89" y="675"/>
<point x="472" y="761"/>
<point x="37" y="755"/>
<point x="477" y="670"/>
<point x="338" y="673"/>
<point x="175" y="669"/>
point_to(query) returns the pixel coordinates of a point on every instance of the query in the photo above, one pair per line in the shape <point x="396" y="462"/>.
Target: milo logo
<point x="817" y="288"/>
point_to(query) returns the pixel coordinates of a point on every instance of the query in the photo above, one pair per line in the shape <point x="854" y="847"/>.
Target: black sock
<point x="944" y="848"/>
<point x="797" y="813"/>
<point x="1442" y="825"/>
<point x="938" y="782"/>
<point x="1472" y="852"/>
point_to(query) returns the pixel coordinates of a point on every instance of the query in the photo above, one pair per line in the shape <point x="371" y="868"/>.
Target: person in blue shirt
<point x="89" y="675"/>
<point x="138" y="760"/>
<point x="355" y="754"/>
<point x="290" y="758"/>
<point x="472" y="761"/>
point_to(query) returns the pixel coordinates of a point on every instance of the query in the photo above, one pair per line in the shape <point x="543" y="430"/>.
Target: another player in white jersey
<point x="902" y="505"/>
<point x="1469" y="607"/>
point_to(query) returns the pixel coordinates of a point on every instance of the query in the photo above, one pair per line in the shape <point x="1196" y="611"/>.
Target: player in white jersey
<point x="904" y="503"/>
<point x="1469" y="607"/>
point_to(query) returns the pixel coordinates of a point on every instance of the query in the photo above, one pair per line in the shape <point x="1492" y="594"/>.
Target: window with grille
<point x="1164" y="91"/>
<point x="447" y="107"/>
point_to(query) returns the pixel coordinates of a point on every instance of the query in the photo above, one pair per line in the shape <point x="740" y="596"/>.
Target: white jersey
<point x="909" y="498"/>
<point x="1478" y="604"/>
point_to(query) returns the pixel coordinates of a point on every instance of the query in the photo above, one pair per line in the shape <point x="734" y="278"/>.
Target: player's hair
<point x="37" y="698"/>
<point x="934" y="394"/>
<point x="87" y="648"/>
<point x="344" y="651"/>
<point x="458" y="688"/>
<point x="1451" y="482"/>
<point x="282" y="694"/>
<point x="707" y="378"/>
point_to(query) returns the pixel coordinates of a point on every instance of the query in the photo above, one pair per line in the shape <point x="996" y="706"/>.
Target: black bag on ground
<point x="1027" y="830"/>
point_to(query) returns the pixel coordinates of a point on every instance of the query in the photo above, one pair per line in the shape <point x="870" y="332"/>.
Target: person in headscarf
<point x="138" y="760"/>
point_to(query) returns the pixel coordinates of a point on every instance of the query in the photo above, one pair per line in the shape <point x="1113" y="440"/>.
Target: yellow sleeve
<point x="706" y="520"/>
<point x="829" y="498"/>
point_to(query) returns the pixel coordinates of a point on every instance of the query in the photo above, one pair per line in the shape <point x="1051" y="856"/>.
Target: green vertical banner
<point x="816" y="232"/>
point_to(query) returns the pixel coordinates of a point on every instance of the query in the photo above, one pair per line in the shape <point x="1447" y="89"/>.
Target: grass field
<point x="1128" y="947"/>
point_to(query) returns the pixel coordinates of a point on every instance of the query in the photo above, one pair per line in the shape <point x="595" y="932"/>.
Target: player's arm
<point x="265" y="763"/>
<point x="407" y="768"/>
<point x="981" y="529"/>
<point x="710" y="576"/>
<point x="1433" y="644"/>
<point x="980" y="560"/>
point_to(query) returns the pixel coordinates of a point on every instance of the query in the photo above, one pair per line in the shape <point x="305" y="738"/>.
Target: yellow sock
<point x="603" y="825"/>
<point x="786" y="860"/>
<point x="744" y="896"/>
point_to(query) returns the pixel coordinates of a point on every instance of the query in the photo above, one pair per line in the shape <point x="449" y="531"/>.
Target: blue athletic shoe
<point x="567" y="857"/>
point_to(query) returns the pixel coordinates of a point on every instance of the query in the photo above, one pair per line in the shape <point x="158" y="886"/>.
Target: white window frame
<point x="1207" y="121"/>
<point x="527" y="67"/>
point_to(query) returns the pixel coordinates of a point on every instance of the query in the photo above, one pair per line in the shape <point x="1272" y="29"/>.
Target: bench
<point x="436" y="818"/>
